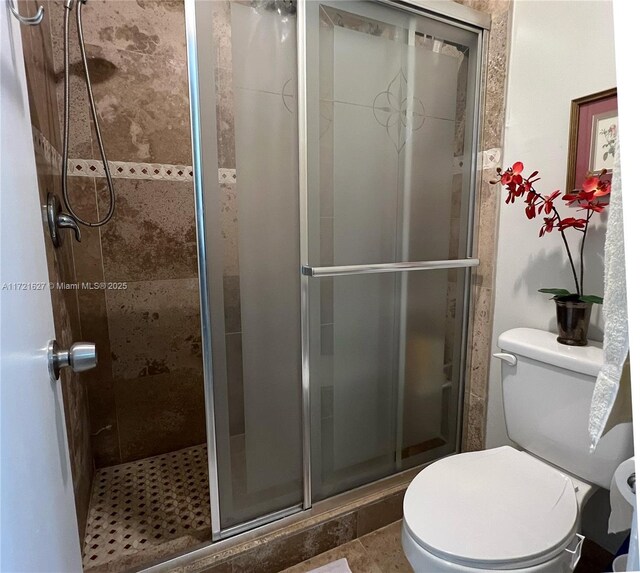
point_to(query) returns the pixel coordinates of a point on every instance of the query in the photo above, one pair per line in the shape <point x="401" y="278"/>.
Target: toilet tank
<point x="547" y="397"/>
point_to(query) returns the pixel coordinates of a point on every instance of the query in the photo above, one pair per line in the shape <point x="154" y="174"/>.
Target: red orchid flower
<point x="506" y="176"/>
<point x="547" y="203"/>
<point x="512" y="174"/>
<point x="588" y="199"/>
<point x="596" y="185"/>
<point x="572" y="222"/>
<point x="604" y="189"/>
<point x="530" y="211"/>
<point x="580" y="197"/>
<point x="548" y="226"/>
<point x="590" y="184"/>
<point x="596" y="207"/>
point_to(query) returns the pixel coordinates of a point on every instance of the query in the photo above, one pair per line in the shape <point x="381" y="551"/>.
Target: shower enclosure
<point x="335" y="165"/>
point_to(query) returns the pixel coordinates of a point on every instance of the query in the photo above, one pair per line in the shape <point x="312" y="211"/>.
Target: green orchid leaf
<point x="595" y="299"/>
<point x="555" y="291"/>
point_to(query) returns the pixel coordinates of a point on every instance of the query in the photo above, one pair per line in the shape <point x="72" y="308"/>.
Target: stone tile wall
<point x="146" y="397"/>
<point x="475" y="399"/>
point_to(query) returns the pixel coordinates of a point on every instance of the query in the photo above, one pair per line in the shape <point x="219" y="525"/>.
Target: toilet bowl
<point x="493" y="510"/>
<point x="511" y="509"/>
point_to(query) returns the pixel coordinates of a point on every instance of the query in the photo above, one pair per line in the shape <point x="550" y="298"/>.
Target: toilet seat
<point x="494" y="509"/>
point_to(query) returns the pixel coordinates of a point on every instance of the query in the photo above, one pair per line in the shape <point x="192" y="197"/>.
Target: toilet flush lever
<point x="508" y="358"/>
<point x="80" y="357"/>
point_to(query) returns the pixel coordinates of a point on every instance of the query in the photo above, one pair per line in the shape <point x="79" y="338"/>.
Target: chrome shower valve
<point x="57" y="220"/>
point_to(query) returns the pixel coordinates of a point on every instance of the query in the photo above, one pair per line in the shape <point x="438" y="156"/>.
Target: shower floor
<point x="147" y="509"/>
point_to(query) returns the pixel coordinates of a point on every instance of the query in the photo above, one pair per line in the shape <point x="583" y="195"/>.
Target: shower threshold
<point x="366" y="508"/>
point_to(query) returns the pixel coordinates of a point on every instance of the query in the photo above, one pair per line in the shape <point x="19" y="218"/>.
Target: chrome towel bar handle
<point x="387" y="267"/>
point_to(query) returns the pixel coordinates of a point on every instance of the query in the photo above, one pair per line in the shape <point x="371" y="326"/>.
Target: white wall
<point x="560" y="50"/>
<point x="38" y="526"/>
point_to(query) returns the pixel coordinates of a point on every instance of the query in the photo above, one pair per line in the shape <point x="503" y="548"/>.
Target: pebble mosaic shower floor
<point x="143" y="505"/>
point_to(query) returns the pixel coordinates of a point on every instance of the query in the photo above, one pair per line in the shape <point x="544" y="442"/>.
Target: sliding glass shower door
<point x="334" y="165"/>
<point x="391" y="99"/>
<point x="249" y="147"/>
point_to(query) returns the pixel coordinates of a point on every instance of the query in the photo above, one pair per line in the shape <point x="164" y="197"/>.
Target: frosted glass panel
<point x="385" y="374"/>
<point x="363" y="366"/>
<point x="258" y="410"/>
<point x="391" y="99"/>
<point x="390" y="148"/>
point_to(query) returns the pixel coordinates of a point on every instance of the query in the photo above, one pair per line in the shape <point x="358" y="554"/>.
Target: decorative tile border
<point x="48" y="151"/>
<point x="121" y="169"/>
<point x="226" y="175"/>
<point x="130" y="170"/>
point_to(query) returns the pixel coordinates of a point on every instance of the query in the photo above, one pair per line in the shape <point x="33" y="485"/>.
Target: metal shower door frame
<point x="202" y="86"/>
<point x="455" y="15"/>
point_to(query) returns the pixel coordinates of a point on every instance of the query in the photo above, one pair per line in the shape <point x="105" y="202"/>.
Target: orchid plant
<point x="591" y="199"/>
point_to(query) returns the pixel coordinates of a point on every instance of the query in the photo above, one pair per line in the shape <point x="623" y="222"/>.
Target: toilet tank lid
<point x="543" y="346"/>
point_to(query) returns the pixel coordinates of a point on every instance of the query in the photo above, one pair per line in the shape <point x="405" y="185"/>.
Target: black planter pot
<point x="573" y="320"/>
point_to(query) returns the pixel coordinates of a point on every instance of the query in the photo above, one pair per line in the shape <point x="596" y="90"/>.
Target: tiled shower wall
<point x="41" y="85"/>
<point x="146" y="397"/>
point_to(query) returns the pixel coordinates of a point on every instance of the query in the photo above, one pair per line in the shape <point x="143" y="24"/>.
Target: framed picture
<point x="593" y="132"/>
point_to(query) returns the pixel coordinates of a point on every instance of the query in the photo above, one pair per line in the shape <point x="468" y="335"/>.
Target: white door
<point x="38" y="530"/>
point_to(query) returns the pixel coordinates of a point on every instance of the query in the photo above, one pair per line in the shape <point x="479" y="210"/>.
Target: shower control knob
<point x="80" y="357"/>
<point x="57" y="220"/>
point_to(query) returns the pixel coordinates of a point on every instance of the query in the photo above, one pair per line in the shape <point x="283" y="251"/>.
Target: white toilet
<point x="505" y="509"/>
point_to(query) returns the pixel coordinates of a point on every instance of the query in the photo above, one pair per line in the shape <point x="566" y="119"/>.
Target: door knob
<point x="80" y="357"/>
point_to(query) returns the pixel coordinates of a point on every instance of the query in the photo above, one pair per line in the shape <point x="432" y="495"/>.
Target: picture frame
<point x="593" y="130"/>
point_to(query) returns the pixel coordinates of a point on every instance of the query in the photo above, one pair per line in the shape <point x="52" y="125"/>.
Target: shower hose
<point x="68" y="5"/>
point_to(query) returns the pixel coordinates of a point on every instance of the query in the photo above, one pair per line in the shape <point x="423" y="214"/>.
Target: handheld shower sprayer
<point x="68" y="7"/>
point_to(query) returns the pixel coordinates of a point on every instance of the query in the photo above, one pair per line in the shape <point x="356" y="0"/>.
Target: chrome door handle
<point x="80" y="357"/>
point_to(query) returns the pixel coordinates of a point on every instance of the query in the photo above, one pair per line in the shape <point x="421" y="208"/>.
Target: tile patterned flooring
<point x="376" y="552"/>
<point x="140" y="506"/>
<point x="381" y="552"/>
